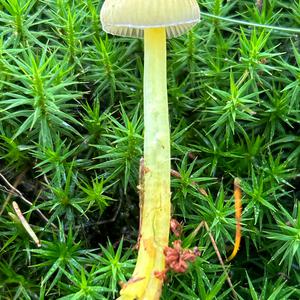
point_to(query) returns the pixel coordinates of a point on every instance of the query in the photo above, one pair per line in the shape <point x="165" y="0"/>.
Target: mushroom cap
<point x="131" y="17"/>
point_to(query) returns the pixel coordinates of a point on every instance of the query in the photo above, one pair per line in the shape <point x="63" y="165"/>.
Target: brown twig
<point x="26" y="224"/>
<point x="16" y="192"/>
<point x="220" y="258"/>
<point x="195" y="232"/>
<point x="16" y="183"/>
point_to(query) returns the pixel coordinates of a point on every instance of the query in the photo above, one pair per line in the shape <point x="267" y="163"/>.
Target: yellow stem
<point x="154" y="231"/>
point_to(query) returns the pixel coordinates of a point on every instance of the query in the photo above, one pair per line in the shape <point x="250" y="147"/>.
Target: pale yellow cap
<point x="131" y="17"/>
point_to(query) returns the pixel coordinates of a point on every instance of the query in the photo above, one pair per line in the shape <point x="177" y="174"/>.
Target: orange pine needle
<point x="238" y="216"/>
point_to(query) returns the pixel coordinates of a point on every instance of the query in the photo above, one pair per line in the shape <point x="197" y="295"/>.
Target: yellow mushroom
<point x="154" y="21"/>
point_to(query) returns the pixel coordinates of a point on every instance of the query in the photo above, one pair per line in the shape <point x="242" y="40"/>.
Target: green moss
<point x="71" y="136"/>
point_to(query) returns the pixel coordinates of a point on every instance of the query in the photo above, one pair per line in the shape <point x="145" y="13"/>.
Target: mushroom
<point x="154" y="20"/>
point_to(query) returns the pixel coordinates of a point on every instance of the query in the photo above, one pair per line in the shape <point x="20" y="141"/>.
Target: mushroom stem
<point x="154" y="231"/>
<point x="156" y="212"/>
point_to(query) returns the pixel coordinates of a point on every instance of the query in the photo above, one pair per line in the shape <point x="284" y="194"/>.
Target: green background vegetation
<point x="71" y="136"/>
